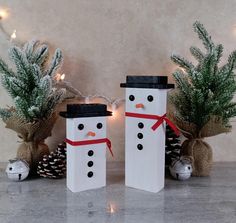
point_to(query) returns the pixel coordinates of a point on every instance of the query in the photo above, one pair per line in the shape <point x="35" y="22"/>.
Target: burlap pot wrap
<point x="194" y="146"/>
<point x="201" y="154"/>
<point x="32" y="148"/>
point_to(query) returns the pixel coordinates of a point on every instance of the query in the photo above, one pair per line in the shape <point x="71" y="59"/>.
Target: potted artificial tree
<point x="203" y="103"/>
<point x="30" y="85"/>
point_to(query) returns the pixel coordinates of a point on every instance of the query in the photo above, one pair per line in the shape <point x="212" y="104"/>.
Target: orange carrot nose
<point x="91" y="134"/>
<point x="140" y="105"/>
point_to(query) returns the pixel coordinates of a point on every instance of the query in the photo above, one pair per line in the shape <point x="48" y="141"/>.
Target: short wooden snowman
<point x="146" y="99"/>
<point x="86" y="146"/>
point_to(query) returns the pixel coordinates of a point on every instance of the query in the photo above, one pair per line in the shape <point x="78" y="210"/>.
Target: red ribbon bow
<point x="160" y="120"/>
<point x="91" y="141"/>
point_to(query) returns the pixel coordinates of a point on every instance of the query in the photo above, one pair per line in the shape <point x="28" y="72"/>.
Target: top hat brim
<point x="65" y="114"/>
<point x="147" y="85"/>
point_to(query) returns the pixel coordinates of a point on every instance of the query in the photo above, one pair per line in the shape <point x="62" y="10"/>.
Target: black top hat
<point x="85" y="110"/>
<point x="160" y="82"/>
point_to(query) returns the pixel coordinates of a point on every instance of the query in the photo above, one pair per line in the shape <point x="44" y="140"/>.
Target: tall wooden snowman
<point x="86" y="145"/>
<point x="146" y="99"/>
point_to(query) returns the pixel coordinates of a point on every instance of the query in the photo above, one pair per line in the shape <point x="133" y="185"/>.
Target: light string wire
<point x="77" y="94"/>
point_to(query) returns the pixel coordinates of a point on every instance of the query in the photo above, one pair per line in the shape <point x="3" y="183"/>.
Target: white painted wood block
<point x="144" y="167"/>
<point x="79" y="158"/>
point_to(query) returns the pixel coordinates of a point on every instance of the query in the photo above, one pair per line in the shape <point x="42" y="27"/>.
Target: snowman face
<point x="146" y="101"/>
<point x="79" y="129"/>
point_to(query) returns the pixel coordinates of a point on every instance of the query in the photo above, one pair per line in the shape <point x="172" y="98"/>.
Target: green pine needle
<point x="205" y="89"/>
<point x="30" y="85"/>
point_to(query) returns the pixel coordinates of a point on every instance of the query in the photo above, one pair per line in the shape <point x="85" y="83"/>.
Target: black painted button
<point x="90" y="163"/>
<point x="90" y="174"/>
<point x="140" y="146"/>
<point x="140" y="135"/>
<point x="90" y="153"/>
<point x="140" y="125"/>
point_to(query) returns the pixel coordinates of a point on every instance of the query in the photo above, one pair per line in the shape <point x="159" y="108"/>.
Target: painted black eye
<point x="99" y="125"/>
<point x="131" y="98"/>
<point x="10" y="168"/>
<point x="150" y="98"/>
<point x="80" y="126"/>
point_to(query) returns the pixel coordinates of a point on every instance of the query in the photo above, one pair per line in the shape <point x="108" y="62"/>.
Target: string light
<point x="13" y="35"/>
<point x="3" y="13"/>
<point x="59" y="78"/>
<point x="113" y="107"/>
<point x="86" y="100"/>
<point x="113" y="103"/>
<point x="183" y="70"/>
<point x="10" y="37"/>
<point x="114" y="110"/>
<point x="62" y="77"/>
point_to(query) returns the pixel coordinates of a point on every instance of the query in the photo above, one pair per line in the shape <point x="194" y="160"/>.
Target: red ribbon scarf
<point x="90" y="142"/>
<point x="160" y="120"/>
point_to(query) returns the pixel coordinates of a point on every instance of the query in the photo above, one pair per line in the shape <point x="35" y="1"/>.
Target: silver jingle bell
<point x="17" y="169"/>
<point x="181" y="169"/>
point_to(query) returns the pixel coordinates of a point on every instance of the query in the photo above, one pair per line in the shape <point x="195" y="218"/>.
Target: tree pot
<point x="33" y="134"/>
<point x="201" y="154"/>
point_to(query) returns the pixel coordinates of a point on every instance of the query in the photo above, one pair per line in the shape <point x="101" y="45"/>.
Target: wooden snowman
<point x="146" y="99"/>
<point x="86" y="146"/>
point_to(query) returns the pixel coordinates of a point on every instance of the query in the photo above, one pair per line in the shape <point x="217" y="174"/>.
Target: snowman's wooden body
<point x="78" y="157"/>
<point x="86" y="163"/>
<point x="144" y="147"/>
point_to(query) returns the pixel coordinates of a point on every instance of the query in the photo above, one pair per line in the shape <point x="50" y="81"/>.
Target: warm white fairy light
<point x="113" y="107"/>
<point x="13" y="35"/>
<point x="114" y="110"/>
<point x="59" y="78"/>
<point x="3" y="13"/>
<point x="183" y="70"/>
<point x="62" y="77"/>
<point x="61" y="83"/>
<point x="86" y="100"/>
<point x="10" y="37"/>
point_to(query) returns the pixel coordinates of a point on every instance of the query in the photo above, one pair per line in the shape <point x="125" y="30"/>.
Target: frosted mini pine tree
<point x="203" y="100"/>
<point x="35" y="99"/>
<point x="30" y="85"/>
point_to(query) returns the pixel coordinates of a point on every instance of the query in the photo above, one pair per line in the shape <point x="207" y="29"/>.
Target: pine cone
<point x="173" y="146"/>
<point x="54" y="164"/>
